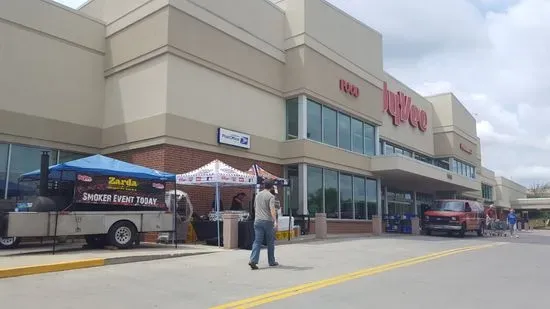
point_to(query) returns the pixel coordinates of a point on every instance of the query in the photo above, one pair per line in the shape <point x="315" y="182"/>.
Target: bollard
<point x="230" y="231"/>
<point x="377" y="228"/>
<point x="320" y="225"/>
<point x="415" y="225"/>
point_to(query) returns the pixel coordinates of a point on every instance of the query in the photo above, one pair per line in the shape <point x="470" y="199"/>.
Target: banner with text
<point x="124" y="191"/>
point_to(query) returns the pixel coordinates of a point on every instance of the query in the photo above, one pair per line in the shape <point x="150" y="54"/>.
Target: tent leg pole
<point x="175" y="217"/>
<point x="218" y="212"/>
<point x="289" y="222"/>
<point x="55" y="232"/>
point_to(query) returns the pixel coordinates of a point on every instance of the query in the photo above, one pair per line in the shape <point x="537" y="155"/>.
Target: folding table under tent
<point x="217" y="174"/>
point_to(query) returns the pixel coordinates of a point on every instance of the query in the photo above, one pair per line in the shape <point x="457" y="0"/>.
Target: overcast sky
<point x="493" y="54"/>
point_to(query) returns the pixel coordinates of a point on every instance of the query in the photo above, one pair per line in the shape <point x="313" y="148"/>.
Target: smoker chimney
<point x="44" y="173"/>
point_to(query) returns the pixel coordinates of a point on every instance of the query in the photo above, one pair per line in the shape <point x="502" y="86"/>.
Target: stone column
<point x="230" y="231"/>
<point x="321" y="225"/>
<point x="415" y="224"/>
<point x="377" y="225"/>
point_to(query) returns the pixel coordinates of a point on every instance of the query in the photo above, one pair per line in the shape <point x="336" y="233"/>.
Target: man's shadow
<point x="287" y="267"/>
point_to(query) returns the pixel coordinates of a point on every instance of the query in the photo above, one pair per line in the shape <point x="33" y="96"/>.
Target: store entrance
<point x="400" y="208"/>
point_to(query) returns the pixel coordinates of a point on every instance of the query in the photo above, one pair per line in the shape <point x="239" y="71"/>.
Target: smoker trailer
<point x="54" y="213"/>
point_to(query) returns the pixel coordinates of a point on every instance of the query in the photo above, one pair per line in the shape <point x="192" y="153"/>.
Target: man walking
<point x="512" y="220"/>
<point x="265" y="225"/>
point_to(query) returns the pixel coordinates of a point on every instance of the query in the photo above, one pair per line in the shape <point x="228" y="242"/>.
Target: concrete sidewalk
<point x="31" y="261"/>
<point x="69" y="256"/>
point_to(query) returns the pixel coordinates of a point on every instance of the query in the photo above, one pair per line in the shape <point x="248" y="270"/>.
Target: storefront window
<point x="346" y="197"/>
<point x="314" y="131"/>
<point x="330" y="126"/>
<point x="442" y="163"/>
<point x="314" y="190"/>
<point x="357" y="136"/>
<point x="369" y="139"/>
<point x="331" y="193"/>
<point x="3" y="168"/>
<point x="292" y="119"/>
<point x="388" y="149"/>
<point x="423" y="158"/>
<point x="400" y="203"/>
<point x="65" y="156"/>
<point x="360" y="197"/>
<point x="344" y="131"/>
<point x="23" y="160"/>
<point x="487" y="192"/>
<point x="293" y="196"/>
<point x="372" y="198"/>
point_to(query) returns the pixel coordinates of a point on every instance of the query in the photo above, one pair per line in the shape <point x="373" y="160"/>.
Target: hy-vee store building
<point x="296" y="86"/>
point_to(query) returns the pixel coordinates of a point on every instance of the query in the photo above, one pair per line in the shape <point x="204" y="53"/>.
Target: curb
<point x="89" y="263"/>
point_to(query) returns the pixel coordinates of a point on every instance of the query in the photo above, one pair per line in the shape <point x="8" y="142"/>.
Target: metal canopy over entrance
<point x="413" y="175"/>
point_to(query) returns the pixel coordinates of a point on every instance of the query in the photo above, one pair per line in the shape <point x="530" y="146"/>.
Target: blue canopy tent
<point x="98" y="164"/>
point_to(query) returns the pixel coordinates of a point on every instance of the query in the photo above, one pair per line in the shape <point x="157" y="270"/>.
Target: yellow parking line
<point x="304" y="288"/>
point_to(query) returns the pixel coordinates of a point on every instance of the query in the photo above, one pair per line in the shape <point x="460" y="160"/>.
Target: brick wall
<point x="176" y="159"/>
<point x="345" y="227"/>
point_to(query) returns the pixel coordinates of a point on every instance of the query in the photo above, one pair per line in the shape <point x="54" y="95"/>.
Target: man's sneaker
<point x="274" y="264"/>
<point x="253" y="265"/>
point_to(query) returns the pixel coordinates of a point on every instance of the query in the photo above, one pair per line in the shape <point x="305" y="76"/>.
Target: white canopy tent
<point x="217" y="174"/>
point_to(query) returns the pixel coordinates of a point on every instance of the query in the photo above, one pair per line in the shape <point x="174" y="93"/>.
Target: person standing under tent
<point x="238" y="201"/>
<point x="265" y="225"/>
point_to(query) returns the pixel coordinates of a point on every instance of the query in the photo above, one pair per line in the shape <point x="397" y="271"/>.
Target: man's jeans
<point x="263" y="229"/>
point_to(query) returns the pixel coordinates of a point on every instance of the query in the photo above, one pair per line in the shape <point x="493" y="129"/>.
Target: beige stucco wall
<point x="137" y="40"/>
<point x="305" y="72"/>
<point x="507" y="190"/>
<point x="136" y="93"/>
<point x="51" y="77"/>
<point x="318" y="24"/>
<point x="110" y="10"/>
<point x="487" y="176"/>
<point x="224" y="51"/>
<point x="454" y="125"/>
<point x="207" y="96"/>
<point x="405" y="134"/>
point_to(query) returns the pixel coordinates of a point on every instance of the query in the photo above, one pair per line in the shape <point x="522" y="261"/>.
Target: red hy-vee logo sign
<point x="400" y="108"/>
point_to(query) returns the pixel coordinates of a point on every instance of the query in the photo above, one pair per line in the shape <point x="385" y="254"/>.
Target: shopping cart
<point x="497" y="228"/>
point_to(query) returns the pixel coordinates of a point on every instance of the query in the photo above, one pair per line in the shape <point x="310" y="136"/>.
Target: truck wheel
<point x="122" y="234"/>
<point x="481" y="230"/>
<point x="9" y="242"/>
<point x="428" y="232"/>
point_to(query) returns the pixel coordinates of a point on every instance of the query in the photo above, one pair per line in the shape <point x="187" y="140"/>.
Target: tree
<point x="538" y="190"/>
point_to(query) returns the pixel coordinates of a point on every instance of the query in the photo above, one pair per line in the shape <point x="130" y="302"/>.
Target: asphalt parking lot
<point x="375" y="272"/>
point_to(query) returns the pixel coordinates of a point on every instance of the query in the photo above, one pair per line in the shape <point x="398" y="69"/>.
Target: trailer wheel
<point x="122" y="234"/>
<point x="9" y="242"/>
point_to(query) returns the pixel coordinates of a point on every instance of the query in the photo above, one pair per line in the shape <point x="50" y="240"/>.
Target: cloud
<point x="487" y="133"/>
<point x="72" y="3"/>
<point x="493" y="54"/>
